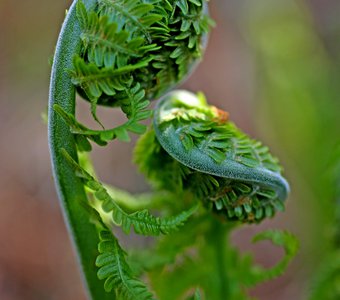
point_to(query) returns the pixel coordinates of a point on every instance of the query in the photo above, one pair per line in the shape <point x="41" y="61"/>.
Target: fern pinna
<point x="207" y="175"/>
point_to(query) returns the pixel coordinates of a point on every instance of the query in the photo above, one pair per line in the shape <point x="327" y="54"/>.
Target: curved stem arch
<point x="69" y="187"/>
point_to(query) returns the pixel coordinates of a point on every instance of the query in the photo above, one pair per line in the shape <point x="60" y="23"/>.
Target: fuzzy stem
<point x="70" y="189"/>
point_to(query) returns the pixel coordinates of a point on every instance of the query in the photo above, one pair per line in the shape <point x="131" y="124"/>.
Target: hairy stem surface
<point x="69" y="187"/>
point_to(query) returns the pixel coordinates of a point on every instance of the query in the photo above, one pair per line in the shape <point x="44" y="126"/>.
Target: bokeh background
<point x="274" y="65"/>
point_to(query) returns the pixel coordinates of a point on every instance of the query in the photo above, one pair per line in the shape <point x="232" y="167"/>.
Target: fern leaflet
<point x="133" y="104"/>
<point x="107" y="46"/>
<point x="131" y="15"/>
<point x="142" y="221"/>
<point x="116" y="272"/>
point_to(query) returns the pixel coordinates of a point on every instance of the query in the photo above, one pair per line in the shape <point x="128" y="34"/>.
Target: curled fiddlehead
<point x="133" y="51"/>
<point x="212" y="158"/>
<point x="193" y="149"/>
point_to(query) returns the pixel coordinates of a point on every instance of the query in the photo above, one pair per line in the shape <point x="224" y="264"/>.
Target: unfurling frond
<point x="128" y="43"/>
<point x="194" y="147"/>
<point x="142" y="221"/>
<point x="283" y="239"/>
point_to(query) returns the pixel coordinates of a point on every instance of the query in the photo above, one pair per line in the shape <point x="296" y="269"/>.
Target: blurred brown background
<point x="274" y="65"/>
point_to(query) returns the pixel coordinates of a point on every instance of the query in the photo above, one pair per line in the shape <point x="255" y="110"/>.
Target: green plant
<point x="208" y="176"/>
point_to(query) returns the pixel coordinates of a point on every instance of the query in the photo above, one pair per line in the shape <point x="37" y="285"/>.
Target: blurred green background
<point x="274" y="65"/>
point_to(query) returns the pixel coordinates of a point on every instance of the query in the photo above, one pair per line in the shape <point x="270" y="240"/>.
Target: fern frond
<point x="95" y="81"/>
<point x="279" y="238"/>
<point x="120" y="30"/>
<point x="211" y="158"/>
<point x="142" y="221"/>
<point x="236" y="200"/>
<point x="112" y="56"/>
<point x="127" y="41"/>
<point x="133" y="105"/>
<point x="116" y="272"/>
<point x="221" y="141"/>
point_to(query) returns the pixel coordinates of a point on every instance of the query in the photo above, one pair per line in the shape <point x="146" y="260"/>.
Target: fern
<point x="200" y="128"/>
<point x="137" y="23"/>
<point x="142" y="221"/>
<point x="133" y="104"/>
<point x="194" y="133"/>
<point x="279" y="238"/>
<point x="208" y="240"/>
<point x="117" y="51"/>
<point x="116" y="272"/>
<point x="124" y="53"/>
<point x="232" y="199"/>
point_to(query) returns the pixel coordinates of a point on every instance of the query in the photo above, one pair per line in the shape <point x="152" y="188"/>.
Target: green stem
<point x="223" y="254"/>
<point x="70" y="189"/>
<point x="220" y="246"/>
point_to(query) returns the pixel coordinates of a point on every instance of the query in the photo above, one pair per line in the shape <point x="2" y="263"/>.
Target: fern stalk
<point x="218" y="241"/>
<point x="69" y="187"/>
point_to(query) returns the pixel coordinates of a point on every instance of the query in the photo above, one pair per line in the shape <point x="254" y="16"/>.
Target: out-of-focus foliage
<point x="298" y="85"/>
